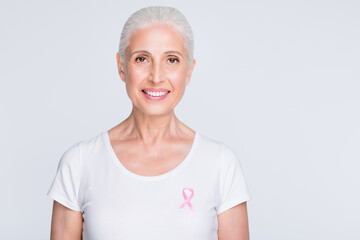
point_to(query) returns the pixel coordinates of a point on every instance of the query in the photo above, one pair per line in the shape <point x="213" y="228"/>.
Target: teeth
<point x="155" y="94"/>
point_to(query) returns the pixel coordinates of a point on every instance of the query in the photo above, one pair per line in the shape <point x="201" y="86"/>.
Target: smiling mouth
<point x="155" y="94"/>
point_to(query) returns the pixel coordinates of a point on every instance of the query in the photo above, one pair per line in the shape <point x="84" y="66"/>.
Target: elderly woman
<point x="151" y="177"/>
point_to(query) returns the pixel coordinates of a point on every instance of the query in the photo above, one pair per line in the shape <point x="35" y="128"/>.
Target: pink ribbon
<point x="188" y="198"/>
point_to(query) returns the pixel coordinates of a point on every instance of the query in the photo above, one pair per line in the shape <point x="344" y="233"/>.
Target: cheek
<point x="133" y="79"/>
<point x="136" y="75"/>
<point x="178" y="77"/>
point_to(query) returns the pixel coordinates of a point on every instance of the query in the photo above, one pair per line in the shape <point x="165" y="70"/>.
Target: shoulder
<point x="229" y="154"/>
<point x="73" y="154"/>
<point x="216" y="145"/>
<point x="217" y="148"/>
<point x="224" y="153"/>
<point x="209" y="145"/>
<point x="92" y="143"/>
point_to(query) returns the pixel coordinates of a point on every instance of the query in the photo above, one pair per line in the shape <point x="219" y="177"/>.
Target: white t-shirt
<point x="119" y="204"/>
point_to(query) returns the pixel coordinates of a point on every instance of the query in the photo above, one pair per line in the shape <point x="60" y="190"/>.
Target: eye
<point x="140" y="59"/>
<point x="173" y="60"/>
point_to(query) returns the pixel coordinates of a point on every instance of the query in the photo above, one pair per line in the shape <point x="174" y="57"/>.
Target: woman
<point x="151" y="176"/>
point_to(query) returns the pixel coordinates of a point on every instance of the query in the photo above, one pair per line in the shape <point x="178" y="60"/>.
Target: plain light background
<point x="278" y="81"/>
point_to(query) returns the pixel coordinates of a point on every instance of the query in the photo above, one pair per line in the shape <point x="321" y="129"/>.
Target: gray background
<point x="278" y="81"/>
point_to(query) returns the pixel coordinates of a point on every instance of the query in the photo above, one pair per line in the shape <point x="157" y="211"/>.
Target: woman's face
<point x="156" y="64"/>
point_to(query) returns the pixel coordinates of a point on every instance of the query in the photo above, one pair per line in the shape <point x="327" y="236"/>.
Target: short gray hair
<point x="155" y="15"/>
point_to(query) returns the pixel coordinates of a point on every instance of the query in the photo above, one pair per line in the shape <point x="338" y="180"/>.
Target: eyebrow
<point x="173" y="51"/>
<point x="144" y="51"/>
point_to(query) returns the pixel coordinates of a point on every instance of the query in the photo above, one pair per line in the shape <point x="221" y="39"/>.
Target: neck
<point x="152" y="128"/>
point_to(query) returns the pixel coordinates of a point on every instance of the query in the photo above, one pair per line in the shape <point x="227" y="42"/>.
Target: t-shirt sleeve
<point x="233" y="188"/>
<point x="65" y="186"/>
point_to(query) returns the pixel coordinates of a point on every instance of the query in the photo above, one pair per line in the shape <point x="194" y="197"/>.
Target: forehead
<point x="157" y="39"/>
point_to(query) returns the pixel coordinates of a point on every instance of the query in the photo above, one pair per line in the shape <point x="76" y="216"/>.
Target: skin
<point x="152" y="140"/>
<point x="233" y="223"/>
<point x="66" y="224"/>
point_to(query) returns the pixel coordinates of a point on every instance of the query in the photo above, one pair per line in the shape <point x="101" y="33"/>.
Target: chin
<point x="156" y="110"/>
<point x="156" y="113"/>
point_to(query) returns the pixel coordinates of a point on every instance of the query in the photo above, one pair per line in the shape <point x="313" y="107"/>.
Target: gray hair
<point x="155" y="15"/>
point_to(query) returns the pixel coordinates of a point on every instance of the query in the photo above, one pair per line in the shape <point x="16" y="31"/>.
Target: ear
<point x="120" y="67"/>
<point x="190" y="70"/>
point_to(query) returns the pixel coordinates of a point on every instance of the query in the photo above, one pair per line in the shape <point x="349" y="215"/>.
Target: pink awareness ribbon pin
<point x="188" y="198"/>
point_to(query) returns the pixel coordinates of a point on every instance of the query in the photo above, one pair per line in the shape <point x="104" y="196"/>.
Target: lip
<point x="155" y="90"/>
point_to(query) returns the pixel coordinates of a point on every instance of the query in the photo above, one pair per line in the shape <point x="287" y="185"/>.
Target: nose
<point x="156" y="74"/>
